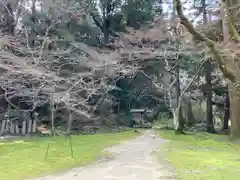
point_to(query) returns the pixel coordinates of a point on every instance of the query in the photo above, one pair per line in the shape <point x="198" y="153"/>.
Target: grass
<point x="26" y="158"/>
<point x="201" y="156"/>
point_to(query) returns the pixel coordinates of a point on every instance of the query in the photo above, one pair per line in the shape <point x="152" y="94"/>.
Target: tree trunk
<point x="234" y="64"/>
<point x="178" y="119"/>
<point x="32" y="35"/>
<point x="106" y="33"/>
<point x="208" y="79"/>
<point x="208" y="93"/>
<point x="8" y="18"/>
<point x="234" y="97"/>
<point x="226" y="111"/>
<point x="178" y="115"/>
<point x="106" y="21"/>
<point x="189" y="114"/>
<point x="209" y="113"/>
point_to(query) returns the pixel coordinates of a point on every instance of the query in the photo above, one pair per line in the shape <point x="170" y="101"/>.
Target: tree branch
<point x="227" y="72"/>
<point x="193" y="79"/>
<point x="97" y="22"/>
<point x="232" y="28"/>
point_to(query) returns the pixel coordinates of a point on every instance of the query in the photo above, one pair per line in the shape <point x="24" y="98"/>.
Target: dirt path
<point x="132" y="160"/>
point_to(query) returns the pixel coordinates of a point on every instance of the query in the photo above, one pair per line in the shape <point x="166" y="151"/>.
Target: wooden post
<point x="12" y="127"/>
<point x="7" y="127"/>
<point x="52" y="118"/>
<point x="24" y="127"/>
<point x="34" y="125"/>
<point x="29" y="125"/>
<point x="17" y="127"/>
<point x="70" y="120"/>
<point x="26" y="123"/>
<point x="3" y="125"/>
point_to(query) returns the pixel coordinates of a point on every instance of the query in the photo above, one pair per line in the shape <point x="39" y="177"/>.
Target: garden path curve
<point x="131" y="160"/>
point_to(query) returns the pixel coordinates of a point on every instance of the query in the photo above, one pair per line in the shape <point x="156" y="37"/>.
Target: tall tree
<point x="103" y="17"/>
<point x="228" y="64"/>
<point x="177" y="110"/>
<point x="208" y="78"/>
<point x="33" y="18"/>
<point x="139" y="12"/>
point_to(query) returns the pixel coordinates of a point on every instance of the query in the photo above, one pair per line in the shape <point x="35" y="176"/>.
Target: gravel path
<point x="132" y="160"/>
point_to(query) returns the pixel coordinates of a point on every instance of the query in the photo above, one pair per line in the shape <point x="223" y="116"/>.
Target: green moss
<point x="26" y="158"/>
<point x="202" y="156"/>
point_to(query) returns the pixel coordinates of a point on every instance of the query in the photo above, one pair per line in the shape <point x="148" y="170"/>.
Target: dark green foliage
<point x="139" y="12"/>
<point x="135" y="92"/>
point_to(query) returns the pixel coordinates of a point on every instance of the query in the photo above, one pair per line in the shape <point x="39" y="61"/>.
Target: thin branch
<point x="151" y="79"/>
<point x="194" y="78"/>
